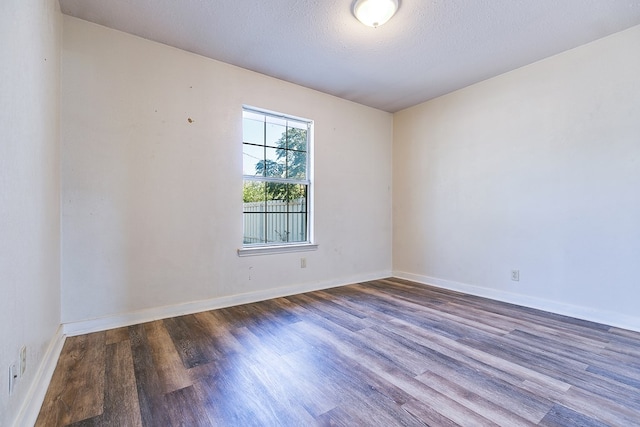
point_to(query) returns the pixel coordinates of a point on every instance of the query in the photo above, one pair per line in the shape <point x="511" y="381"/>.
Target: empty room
<point x="337" y="212"/>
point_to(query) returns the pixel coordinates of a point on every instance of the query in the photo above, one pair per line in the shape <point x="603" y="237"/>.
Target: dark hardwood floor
<point x="381" y="353"/>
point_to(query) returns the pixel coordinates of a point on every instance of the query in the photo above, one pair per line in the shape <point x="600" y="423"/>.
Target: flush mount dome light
<point x="374" y="12"/>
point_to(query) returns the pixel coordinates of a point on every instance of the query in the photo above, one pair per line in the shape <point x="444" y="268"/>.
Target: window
<point x="277" y="186"/>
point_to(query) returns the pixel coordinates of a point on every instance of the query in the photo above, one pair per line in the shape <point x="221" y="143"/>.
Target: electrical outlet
<point x="515" y="275"/>
<point x="303" y="263"/>
<point x="13" y="377"/>
<point x="23" y="360"/>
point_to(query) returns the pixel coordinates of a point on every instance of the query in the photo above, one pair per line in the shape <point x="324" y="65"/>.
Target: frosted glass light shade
<point x="374" y="12"/>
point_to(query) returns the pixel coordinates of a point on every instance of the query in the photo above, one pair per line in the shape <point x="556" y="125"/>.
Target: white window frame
<point x="284" y="247"/>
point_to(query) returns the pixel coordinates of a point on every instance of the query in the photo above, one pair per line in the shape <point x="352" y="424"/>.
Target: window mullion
<point x="264" y="173"/>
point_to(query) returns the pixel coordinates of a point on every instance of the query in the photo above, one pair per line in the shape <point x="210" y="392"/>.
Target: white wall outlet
<point x="23" y="360"/>
<point x="515" y="275"/>
<point x="13" y="377"/>
<point x="303" y="263"/>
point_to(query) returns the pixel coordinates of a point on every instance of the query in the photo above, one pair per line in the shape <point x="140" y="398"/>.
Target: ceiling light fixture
<point x="374" y="12"/>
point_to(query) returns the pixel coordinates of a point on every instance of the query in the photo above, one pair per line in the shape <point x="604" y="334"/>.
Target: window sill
<point x="268" y="250"/>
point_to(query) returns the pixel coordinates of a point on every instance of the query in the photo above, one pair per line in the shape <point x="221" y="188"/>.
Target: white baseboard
<point x="585" y="313"/>
<point x="30" y="409"/>
<point x="148" y="315"/>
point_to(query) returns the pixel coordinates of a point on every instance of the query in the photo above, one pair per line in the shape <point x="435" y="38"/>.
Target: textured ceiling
<point x="431" y="47"/>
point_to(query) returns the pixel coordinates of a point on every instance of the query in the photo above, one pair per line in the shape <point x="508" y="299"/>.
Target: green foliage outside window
<point x="291" y="154"/>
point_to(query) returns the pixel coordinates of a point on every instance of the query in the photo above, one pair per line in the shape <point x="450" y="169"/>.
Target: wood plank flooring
<point x="382" y="353"/>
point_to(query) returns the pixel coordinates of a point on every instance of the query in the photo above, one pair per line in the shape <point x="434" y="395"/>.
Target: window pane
<point x="276" y="191"/>
<point x="253" y="131"/>
<point x="276" y="132"/>
<point x="254" y="231"/>
<point x="277" y="228"/>
<point x="253" y="196"/>
<point x="252" y="158"/>
<point x="274" y="167"/>
<point x="298" y="125"/>
<point x="253" y="115"/>
<point x="297" y="139"/>
<point x="296" y="165"/>
<point x="297" y="227"/>
<point x="297" y="196"/>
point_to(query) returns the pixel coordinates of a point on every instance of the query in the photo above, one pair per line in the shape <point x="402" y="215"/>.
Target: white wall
<point x="537" y="170"/>
<point x="29" y="191"/>
<point x="152" y="204"/>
